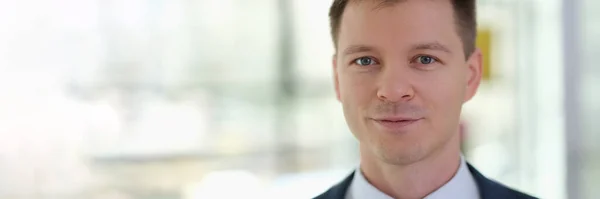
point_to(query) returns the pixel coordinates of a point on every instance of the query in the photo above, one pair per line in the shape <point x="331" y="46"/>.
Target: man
<point x="402" y="70"/>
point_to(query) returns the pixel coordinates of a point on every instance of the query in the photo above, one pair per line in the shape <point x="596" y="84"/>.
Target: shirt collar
<point x="462" y="185"/>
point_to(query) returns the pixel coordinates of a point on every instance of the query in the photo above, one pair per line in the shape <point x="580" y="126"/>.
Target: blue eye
<point x="426" y="60"/>
<point x="365" y="61"/>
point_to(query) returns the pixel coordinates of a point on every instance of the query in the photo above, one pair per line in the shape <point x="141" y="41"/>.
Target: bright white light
<point x="491" y="159"/>
<point x="226" y="184"/>
<point x="166" y="127"/>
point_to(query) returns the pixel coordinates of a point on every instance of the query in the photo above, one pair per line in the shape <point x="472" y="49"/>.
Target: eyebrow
<point x="357" y="49"/>
<point x="431" y="46"/>
<point x="421" y="46"/>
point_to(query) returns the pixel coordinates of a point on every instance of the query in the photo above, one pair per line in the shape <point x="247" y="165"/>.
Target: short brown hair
<point x="464" y="13"/>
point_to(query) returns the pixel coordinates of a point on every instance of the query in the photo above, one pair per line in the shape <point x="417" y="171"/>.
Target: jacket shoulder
<point x="337" y="191"/>
<point x="511" y="193"/>
<point x="490" y="189"/>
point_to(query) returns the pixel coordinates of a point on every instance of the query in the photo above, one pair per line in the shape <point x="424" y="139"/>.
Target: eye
<point x="423" y="59"/>
<point x="365" y="61"/>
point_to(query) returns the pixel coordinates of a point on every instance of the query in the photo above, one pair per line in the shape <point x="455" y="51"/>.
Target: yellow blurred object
<point x="484" y="43"/>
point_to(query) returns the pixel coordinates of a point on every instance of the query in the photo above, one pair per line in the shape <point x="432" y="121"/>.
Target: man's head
<point x="402" y="71"/>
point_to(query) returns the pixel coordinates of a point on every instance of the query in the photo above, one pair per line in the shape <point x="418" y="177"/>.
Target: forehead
<point x="405" y="23"/>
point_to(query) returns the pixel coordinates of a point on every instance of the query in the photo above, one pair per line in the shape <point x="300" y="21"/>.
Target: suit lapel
<point x="488" y="189"/>
<point x="339" y="190"/>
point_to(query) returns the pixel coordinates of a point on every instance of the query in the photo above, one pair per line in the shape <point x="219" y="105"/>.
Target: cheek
<point x="356" y="97"/>
<point x="356" y="90"/>
<point x="443" y="93"/>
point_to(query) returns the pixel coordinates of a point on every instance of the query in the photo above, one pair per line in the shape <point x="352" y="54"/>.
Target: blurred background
<point x="190" y="99"/>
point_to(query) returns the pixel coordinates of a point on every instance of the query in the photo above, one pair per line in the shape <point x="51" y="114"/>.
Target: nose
<point x="394" y="85"/>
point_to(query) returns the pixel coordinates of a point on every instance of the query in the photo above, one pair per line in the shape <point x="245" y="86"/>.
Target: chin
<point x="399" y="152"/>
<point x="402" y="158"/>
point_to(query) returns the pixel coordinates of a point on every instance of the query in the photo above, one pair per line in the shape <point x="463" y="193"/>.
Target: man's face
<point x="402" y="77"/>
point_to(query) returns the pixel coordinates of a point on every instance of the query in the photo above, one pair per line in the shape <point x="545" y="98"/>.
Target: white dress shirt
<point x="462" y="186"/>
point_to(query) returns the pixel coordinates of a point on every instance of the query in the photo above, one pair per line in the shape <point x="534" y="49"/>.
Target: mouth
<point x="396" y="124"/>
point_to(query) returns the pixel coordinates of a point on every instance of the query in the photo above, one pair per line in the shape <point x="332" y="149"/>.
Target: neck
<point x="415" y="180"/>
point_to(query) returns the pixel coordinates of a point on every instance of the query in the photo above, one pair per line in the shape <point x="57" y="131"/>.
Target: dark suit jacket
<point x="488" y="189"/>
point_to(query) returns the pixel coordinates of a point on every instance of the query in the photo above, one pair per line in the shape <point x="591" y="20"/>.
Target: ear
<point x="336" y="81"/>
<point x="474" y="73"/>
